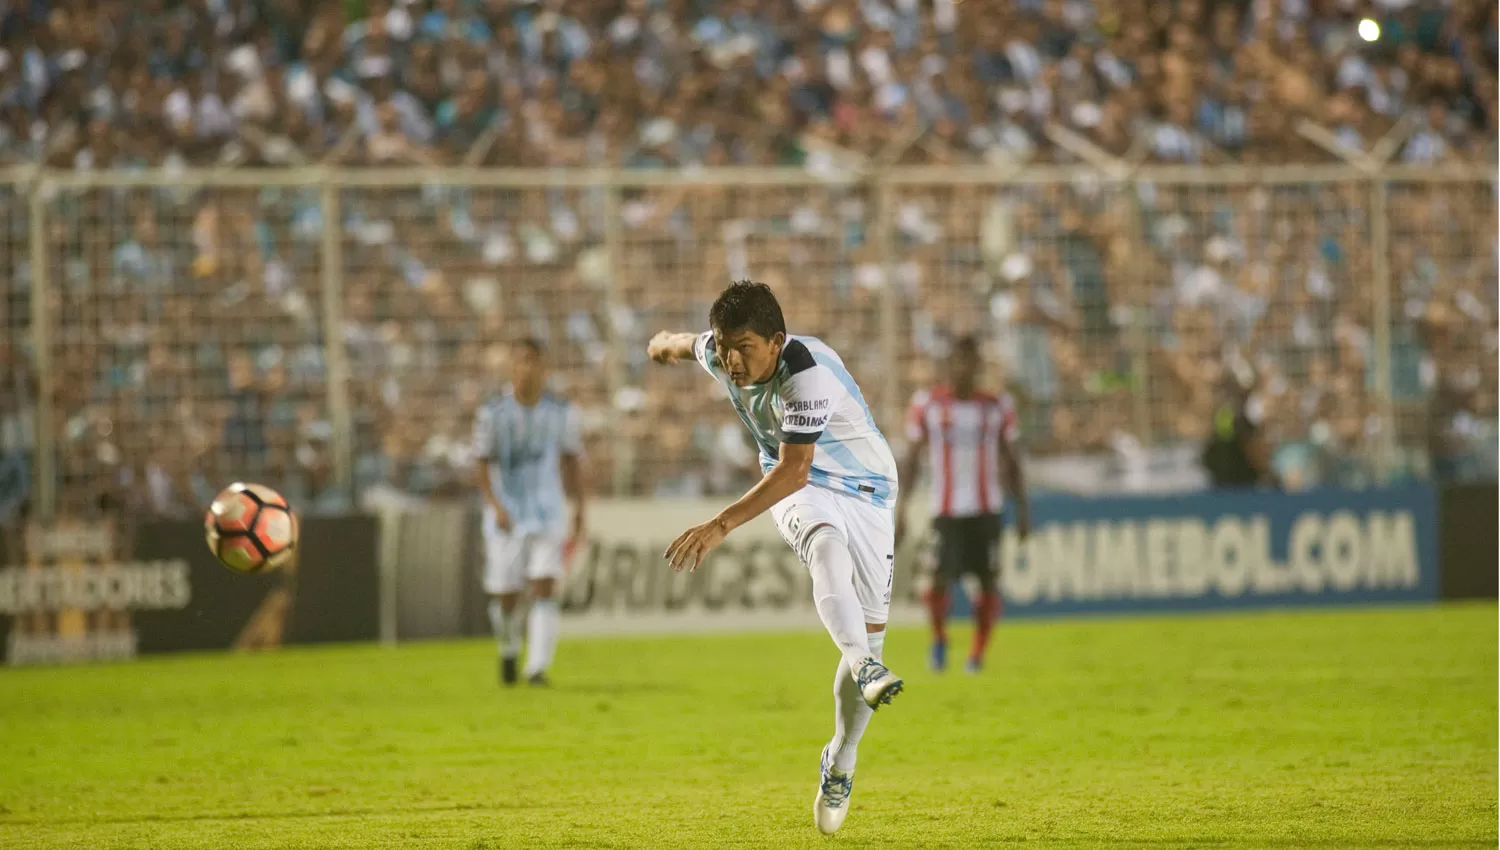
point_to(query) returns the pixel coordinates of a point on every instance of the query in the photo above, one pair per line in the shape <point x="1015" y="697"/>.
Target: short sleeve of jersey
<point x="572" y="434"/>
<point x="916" y="417"/>
<point x="703" y="352"/>
<point x="484" y="433"/>
<point x="807" y="400"/>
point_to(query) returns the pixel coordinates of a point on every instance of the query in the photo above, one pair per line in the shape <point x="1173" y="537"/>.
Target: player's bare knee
<point x="543" y="588"/>
<point x="874" y="628"/>
<point x="508" y="601"/>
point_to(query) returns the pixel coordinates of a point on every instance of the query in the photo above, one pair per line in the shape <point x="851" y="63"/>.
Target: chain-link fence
<point x="330" y="332"/>
<point x="184" y="345"/>
<point x="18" y="376"/>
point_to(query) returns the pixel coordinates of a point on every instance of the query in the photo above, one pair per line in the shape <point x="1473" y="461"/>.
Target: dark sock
<point x="937" y="610"/>
<point x="986" y="611"/>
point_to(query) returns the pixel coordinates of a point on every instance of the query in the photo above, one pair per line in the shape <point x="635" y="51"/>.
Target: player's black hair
<point x="965" y="345"/>
<point x="532" y="343"/>
<point x="747" y="306"/>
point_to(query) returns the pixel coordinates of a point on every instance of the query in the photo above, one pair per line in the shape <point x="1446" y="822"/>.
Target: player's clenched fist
<point x="659" y="350"/>
<point x="668" y="347"/>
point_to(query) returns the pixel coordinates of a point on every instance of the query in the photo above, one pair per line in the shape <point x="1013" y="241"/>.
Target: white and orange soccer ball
<point x="250" y="529"/>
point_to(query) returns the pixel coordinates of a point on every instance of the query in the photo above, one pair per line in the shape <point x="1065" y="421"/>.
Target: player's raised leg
<point x="832" y="569"/>
<point x="831" y="565"/>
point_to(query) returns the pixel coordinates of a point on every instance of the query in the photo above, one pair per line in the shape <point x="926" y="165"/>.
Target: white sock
<point x="838" y="606"/>
<point x="850" y="712"/>
<point x="502" y="623"/>
<point x="542" y="627"/>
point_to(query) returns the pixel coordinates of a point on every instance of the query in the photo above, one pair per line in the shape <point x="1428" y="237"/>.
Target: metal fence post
<point x="44" y="464"/>
<point x="1381" y="321"/>
<point x="890" y="302"/>
<point x="1138" y="334"/>
<point x="621" y="449"/>
<point x="1139" y="342"/>
<point x="334" y="355"/>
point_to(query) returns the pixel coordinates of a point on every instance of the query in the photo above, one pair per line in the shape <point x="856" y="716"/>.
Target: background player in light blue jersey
<point x="830" y="485"/>
<point x="530" y="465"/>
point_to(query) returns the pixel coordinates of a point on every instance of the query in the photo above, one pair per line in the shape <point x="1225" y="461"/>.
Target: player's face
<point x="525" y="368"/>
<point x="748" y="357"/>
<point x="963" y="369"/>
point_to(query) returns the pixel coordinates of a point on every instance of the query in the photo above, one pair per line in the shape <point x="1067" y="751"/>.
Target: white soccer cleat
<point x="831" y="805"/>
<point x="877" y="684"/>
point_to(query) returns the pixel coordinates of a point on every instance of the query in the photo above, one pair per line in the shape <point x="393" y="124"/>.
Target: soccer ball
<point x="250" y="529"/>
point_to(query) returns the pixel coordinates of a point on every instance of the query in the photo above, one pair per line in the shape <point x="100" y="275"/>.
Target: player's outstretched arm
<point x="485" y="448"/>
<point x="669" y="347"/>
<point x="1015" y="483"/>
<point x="785" y="478"/>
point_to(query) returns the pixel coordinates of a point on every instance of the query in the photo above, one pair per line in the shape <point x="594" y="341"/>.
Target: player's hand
<point x="660" y="348"/>
<point x="693" y="545"/>
<point x="502" y="518"/>
<point x="578" y="535"/>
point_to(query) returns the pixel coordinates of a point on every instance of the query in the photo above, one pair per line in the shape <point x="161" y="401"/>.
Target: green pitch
<point x="1286" y="730"/>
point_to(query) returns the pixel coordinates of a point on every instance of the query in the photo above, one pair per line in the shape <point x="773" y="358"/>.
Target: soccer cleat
<point x="876" y="684"/>
<point x="832" y="803"/>
<point x="508" y="671"/>
<point x="939" y="656"/>
<point x="973" y="666"/>
<point x="538" y="680"/>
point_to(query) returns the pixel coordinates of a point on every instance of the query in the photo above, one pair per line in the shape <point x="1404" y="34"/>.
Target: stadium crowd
<point x="658" y="83"/>
<point x="190" y="345"/>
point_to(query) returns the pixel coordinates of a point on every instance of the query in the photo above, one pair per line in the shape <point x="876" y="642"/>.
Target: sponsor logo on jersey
<point x="803" y="406"/>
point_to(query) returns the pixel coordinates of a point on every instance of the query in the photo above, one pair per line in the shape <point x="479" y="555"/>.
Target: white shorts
<point x="869" y="531"/>
<point x="513" y="558"/>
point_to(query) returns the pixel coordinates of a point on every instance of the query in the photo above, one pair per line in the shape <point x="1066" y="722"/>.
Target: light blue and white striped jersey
<point x="524" y="447"/>
<point x="812" y="398"/>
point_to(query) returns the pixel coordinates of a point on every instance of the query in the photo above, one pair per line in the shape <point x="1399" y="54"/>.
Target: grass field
<point x="1373" y="728"/>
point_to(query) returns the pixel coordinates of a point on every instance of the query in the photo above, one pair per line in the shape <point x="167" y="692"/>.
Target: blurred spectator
<point x="1236" y="455"/>
<point x="749" y="83"/>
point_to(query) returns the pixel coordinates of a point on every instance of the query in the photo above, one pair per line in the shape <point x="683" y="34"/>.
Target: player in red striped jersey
<point x="969" y="437"/>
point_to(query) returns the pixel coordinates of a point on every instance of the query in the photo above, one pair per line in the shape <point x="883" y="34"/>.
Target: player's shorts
<point x="967" y="545"/>
<point x="511" y="559"/>
<point x="869" y="531"/>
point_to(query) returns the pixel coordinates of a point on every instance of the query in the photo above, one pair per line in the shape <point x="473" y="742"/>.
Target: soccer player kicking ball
<point x="830" y="485"/>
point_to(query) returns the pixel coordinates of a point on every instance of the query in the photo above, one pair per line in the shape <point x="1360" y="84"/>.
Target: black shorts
<point x="967" y="545"/>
